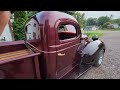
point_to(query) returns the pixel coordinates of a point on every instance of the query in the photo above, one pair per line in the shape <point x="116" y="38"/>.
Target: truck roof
<point x="52" y="16"/>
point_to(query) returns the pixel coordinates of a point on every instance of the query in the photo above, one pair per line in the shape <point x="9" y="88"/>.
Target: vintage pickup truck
<point x="55" y="48"/>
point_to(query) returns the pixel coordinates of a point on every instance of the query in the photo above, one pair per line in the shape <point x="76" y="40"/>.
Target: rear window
<point x="32" y="30"/>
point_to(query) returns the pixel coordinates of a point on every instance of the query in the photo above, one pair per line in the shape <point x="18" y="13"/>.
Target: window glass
<point x="66" y="32"/>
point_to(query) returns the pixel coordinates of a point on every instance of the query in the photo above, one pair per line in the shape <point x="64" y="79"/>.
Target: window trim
<point x="66" y="22"/>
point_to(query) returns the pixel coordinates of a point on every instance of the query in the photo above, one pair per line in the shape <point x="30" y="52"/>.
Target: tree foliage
<point x="103" y="19"/>
<point x="116" y="21"/>
<point x="20" y="18"/>
<point x="91" y="21"/>
<point x="31" y="13"/>
<point x="106" y="24"/>
<point x="80" y="17"/>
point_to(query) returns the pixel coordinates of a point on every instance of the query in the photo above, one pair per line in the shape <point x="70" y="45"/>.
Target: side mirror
<point x="95" y="37"/>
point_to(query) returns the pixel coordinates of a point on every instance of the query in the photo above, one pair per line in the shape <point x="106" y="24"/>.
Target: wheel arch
<point x="90" y="51"/>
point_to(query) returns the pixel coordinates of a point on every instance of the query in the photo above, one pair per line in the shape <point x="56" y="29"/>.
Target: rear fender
<point x="90" y="51"/>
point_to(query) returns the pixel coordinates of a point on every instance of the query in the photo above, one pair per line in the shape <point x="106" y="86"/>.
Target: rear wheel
<point x="99" y="58"/>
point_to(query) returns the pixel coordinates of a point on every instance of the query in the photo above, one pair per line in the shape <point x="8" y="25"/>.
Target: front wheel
<point x="99" y="58"/>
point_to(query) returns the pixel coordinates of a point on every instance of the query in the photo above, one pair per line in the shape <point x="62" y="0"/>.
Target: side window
<point x="66" y="32"/>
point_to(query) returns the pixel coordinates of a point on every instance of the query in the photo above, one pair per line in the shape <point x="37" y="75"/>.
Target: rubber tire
<point x="97" y="64"/>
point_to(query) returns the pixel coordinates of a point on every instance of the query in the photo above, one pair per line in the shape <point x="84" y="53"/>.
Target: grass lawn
<point x="92" y="33"/>
<point x="118" y="29"/>
<point x="98" y="32"/>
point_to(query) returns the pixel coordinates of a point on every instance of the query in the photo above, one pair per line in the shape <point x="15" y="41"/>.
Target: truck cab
<point x="62" y="51"/>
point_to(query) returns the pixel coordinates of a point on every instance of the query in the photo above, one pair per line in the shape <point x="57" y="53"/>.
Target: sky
<point x="97" y="14"/>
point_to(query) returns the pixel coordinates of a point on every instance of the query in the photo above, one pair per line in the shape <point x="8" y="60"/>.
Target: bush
<point x="106" y="24"/>
<point x="20" y="18"/>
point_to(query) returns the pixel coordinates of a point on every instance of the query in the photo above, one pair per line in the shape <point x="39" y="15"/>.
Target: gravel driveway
<point x="110" y="68"/>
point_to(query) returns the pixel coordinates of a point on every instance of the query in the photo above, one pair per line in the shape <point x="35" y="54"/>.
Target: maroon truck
<point x="54" y="48"/>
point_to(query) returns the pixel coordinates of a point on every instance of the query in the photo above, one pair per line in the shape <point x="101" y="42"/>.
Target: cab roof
<point x="52" y="16"/>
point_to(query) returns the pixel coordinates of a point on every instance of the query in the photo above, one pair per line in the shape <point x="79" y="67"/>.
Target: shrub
<point x="20" y="18"/>
<point x="106" y="24"/>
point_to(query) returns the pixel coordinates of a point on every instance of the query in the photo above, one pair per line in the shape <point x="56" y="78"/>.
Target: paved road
<point x="110" y="68"/>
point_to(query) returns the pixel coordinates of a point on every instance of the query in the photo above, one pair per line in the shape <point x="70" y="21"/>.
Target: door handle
<point x="60" y="54"/>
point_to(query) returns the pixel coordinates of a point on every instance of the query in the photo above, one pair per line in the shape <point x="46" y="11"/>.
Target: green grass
<point x="92" y="33"/>
<point x="118" y="29"/>
<point x="98" y="32"/>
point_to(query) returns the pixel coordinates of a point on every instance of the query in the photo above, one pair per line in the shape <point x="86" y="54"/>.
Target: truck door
<point x="67" y="42"/>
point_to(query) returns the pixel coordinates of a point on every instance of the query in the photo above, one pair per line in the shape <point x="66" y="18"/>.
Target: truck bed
<point x="15" y="54"/>
<point x="18" y="60"/>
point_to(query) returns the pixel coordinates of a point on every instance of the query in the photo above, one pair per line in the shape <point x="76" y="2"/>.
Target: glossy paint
<point x="91" y="50"/>
<point x="22" y="69"/>
<point x="53" y="66"/>
<point x="66" y="63"/>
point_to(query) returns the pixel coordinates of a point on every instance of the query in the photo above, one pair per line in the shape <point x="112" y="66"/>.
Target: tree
<point x="92" y="21"/>
<point x="20" y="17"/>
<point x="102" y="20"/>
<point x="31" y="13"/>
<point x="116" y="21"/>
<point x="80" y="17"/>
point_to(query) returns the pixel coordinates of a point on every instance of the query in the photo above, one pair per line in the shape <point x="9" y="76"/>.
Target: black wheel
<point x="99" y="58"/>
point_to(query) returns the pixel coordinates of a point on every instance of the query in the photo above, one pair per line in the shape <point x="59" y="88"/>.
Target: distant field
<point x="92" y="33"/>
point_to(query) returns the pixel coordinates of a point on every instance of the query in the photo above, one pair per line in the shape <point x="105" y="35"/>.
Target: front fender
<point x="90" y="51"/>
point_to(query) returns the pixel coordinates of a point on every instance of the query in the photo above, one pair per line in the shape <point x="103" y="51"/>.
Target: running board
<point x="77" y="72"/>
